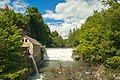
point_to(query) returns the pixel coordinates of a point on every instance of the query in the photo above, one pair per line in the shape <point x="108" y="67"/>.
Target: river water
<point x="63" y="54"/>
<point x="59" y="65"/>
<point x="58" y="61"/>
<point x="59" y="69"/>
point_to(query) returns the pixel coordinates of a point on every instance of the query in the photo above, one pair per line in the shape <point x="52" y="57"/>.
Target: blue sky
<point x="60" y="15"/>
<point x="44" y="5"/>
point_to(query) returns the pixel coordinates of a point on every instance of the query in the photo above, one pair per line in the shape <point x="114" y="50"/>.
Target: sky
<point x="60" y="15"/>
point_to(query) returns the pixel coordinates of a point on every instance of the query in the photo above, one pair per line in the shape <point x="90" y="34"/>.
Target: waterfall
<point x="31" y="56"/>
<point x="60" y="54"/>
<point x="37" y="76"/>
<point x="64" y="54"/>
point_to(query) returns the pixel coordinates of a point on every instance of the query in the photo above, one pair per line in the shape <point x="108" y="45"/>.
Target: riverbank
<point x="72" y="70"/>
<point x="77" y="70"/>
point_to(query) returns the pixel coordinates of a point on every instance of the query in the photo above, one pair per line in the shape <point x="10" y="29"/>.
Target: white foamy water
<point x="36" y="77"/>
<point x="63" y="54"/>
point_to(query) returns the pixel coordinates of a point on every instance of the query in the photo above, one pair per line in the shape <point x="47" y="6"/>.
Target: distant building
<point x="33" y="47"/>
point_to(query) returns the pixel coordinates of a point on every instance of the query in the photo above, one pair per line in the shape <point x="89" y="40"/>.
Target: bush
<point x="113" y="62"/>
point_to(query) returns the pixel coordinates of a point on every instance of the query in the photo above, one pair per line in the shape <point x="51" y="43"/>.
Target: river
<point x="57" y="60"/>
<point x="59" y="65"/>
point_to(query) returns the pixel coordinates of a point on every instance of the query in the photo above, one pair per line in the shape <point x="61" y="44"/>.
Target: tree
<point x="109" y="2"/>
<point x="57" y="40"/>
<point x="37" y="28"/>
<point x="54" y="33"/>
<point x="10" y="37"/>
<point x="72" y="41"/>
<point x="99" y="37"/>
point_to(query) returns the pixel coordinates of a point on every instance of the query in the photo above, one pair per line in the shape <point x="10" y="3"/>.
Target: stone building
<point x="33" y="47"/>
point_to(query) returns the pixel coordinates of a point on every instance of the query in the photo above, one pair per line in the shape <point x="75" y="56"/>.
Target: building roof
<point x="35" y="42"/>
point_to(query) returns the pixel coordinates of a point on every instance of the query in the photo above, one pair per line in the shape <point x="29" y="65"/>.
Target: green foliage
<point x="19" y="19"/>
<point x="57" y="39"/>
<point x="113" y="62"/>
<point x="99" y="37"/>
<point x="55" y="33"/>
<point x="10" y="36"/>
<point x="12" y="64"/>
<point x="37" y="28"/>
<point x="72" y="41"/>
<point x="31" y="23"/>
<point x="17" y="75"/>
<point x="109" y="2"/>
<point x="9" y="40"/>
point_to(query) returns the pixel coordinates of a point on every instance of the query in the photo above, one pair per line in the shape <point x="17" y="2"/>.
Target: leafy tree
<point x="99" y="37"/>
<point x="72" y="41"/>
<point x="10" y="37"/>
<point x="57" y="39"/>
<point x="55" y="33"/>
<point x="109" y="2"/>
<point x="20" y="20"/>
<point x="37" y="28"/>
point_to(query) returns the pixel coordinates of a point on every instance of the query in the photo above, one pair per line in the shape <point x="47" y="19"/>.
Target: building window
<point x="22" y="40"/>
<point x="25" y="40"/>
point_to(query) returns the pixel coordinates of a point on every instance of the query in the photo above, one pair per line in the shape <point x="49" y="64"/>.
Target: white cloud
<point x="4" y="2"/>
<point x="73" y="13"/>
<point x="17" y="5"/>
